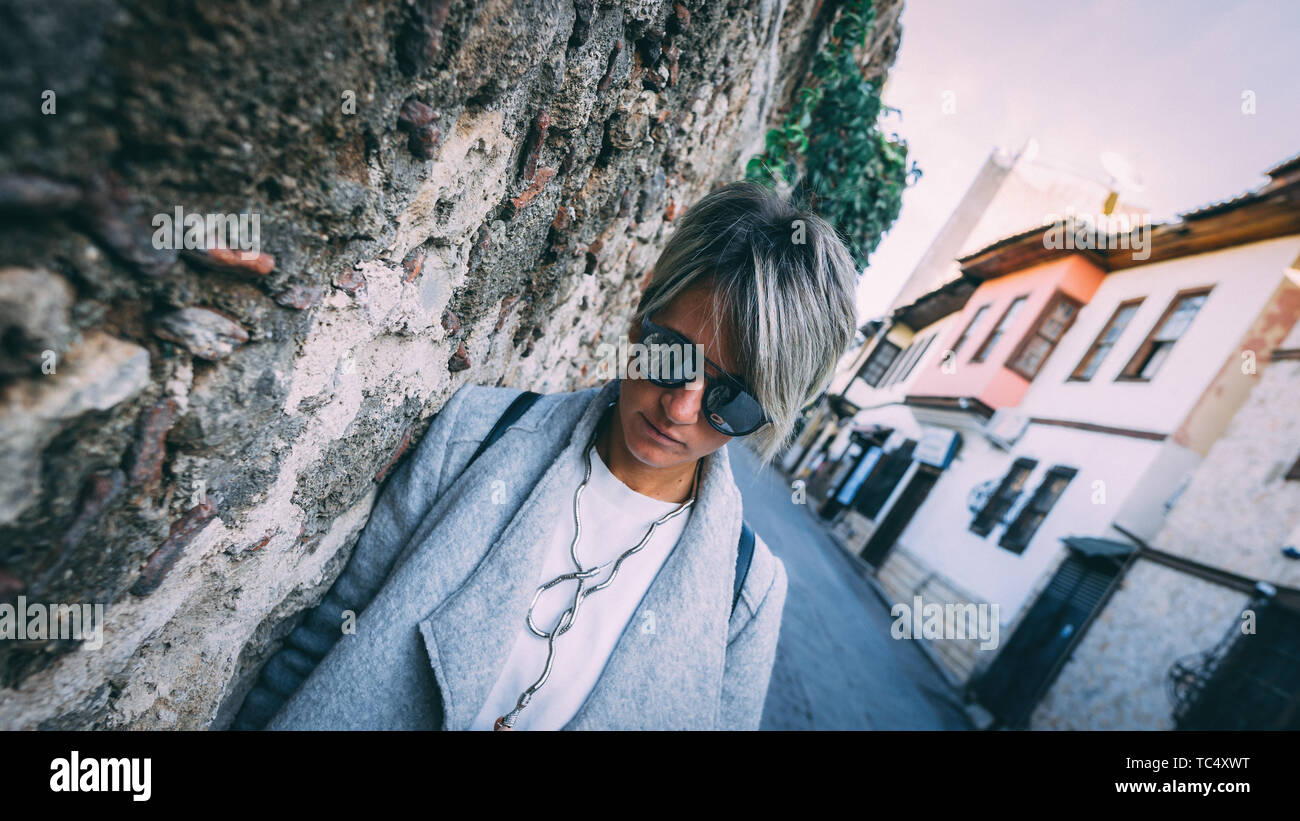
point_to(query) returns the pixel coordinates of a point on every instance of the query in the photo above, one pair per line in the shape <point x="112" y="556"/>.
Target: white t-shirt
<point x="614" y="518"/>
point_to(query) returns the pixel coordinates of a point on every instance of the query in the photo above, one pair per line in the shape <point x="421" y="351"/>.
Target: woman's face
<point x="645" y="410"/>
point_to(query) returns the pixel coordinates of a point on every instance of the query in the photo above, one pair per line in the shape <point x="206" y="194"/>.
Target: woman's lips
<point x="657" y="434"/>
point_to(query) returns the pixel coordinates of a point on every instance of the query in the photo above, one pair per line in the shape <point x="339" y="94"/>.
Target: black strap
<point x="744" y="554"/>
<point x="517" y="408"/>
<point x="512" y="413"/>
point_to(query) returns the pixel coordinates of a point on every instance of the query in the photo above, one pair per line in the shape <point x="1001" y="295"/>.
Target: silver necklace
<point x="581" y="575"/>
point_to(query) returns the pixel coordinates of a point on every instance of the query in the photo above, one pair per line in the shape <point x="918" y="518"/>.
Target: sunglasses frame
<point x="649" y="327"/>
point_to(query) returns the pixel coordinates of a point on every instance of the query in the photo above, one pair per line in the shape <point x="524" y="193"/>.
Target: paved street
<point x="837" y="668"/>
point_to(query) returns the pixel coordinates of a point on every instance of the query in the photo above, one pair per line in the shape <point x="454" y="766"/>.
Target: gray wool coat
<point x="445" y="569"/>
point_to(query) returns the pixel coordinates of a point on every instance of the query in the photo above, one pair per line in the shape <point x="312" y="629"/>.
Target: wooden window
<point x="892" y="370"/>
<point x="1022" y="530"/>
<point x="879" y="360"/>
<point x="970" y="327"/>
<point x="903" y="365"/>
<point x="999" y="330"/>
<point x="1105" y="340"/>
<point x="1153" y="351"/>
<point x="1001" y="500"/>
<point x="1039" y="343"/>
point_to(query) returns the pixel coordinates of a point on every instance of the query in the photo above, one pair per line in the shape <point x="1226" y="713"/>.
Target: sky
<point x="1162" y="84"/>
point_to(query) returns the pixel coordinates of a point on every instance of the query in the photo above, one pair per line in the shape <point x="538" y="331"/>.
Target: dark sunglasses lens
<point x="669" y="361"/>
<point x="732" y="410"/>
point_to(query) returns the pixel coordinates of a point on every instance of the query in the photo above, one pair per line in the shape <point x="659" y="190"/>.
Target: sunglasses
<point x="728" y="403"/>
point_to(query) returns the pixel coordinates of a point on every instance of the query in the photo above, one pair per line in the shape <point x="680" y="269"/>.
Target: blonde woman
<point x="586" y="570"/>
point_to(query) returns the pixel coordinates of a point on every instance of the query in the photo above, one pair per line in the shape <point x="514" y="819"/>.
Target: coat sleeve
<point x="407" y="494"/>
<point x="751" y="656"/>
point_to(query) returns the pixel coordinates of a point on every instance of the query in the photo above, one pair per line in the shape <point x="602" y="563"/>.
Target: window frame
<point x="1035" y="330"/>
<point x="970" y="326"/>
<point x="1020" y="542"/>
<point x="887" y="378"/>
<point x="997" y="332"/>
<point x="1131" y="370"/>
<point x="1020" y="462"/>
<point x="911" y="366"/>
<point x="874" y="351"/>
<point x="1076" y="375"/>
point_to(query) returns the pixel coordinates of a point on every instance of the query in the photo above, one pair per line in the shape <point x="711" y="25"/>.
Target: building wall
<point x="1245" y="278"/>
<point x="868" y="398"/>
<point x="1118" y="675"/>
<point x="990" y="381"/>
<point x="939" y="533"/>
<point x="1011" y="192"/>
<point x="1236" y="513"/>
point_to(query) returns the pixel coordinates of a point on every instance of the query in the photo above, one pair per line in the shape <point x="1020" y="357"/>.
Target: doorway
<point x="911" y="498"/>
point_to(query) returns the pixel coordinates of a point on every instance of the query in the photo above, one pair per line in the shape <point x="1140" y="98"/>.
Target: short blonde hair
<point x="786" y="285"/>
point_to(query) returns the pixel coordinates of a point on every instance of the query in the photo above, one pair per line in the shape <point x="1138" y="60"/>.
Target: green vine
<point x="830" y="150"/>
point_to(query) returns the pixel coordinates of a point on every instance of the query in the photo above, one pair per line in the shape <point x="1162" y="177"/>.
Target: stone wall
<point x="446" y="193"/>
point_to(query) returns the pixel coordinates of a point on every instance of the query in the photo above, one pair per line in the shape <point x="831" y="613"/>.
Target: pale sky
<point x="1160" y="83"/>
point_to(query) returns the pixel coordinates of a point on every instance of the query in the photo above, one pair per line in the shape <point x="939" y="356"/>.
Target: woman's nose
<point x="682" y="405"/>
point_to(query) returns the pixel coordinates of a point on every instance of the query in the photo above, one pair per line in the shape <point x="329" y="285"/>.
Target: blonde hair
<point x="784" y="282"/>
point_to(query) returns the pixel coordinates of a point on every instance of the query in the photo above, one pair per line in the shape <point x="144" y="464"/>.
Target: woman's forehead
<point x="694" y="315"/>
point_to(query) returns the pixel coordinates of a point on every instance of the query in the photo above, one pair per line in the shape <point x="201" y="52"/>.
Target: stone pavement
<point x="837" y="667"/>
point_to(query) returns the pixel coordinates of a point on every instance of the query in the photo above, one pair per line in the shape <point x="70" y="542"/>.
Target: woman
<point x="579" y="574"/>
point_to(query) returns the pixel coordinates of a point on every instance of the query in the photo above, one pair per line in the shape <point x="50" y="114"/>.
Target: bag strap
<point x="744" y="554"/>
<point x="512" y="413"/>
<point x="516" y="409"/>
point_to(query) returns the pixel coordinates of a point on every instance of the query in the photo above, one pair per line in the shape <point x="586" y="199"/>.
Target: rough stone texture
<point x="447" y="192"/>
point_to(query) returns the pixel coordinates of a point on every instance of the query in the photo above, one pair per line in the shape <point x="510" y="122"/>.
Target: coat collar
<point x="666" y="669"/>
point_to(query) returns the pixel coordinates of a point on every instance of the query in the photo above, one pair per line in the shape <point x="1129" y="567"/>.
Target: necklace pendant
<point x="501" y="724"/>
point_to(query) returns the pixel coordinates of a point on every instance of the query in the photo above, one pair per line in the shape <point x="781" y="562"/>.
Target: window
<point x="1105" y="340"/>
<point x="1052" y="324"/>
<point x="904" y="364"/>
<point x="1017" y="536"/>
<point x="970" y="327"/>
<point x="879" y="360"/>
<point x="1153" y="351"/>
<point x="1000" y="501"/>
<point x="925" y="346"/>
<point x="999" y="330"/>
<point x="892" y="370"/>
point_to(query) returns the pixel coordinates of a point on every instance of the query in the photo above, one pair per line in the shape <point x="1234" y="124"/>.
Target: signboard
<point x="859" y="474"/>
<point x="937" y="447"/>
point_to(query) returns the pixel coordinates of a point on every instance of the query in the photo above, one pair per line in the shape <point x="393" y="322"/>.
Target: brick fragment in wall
<point x="459" y="360"/>
<point x="181" y="533"/>
<point x="234" y="260"/>
<point x="100" y="489"/>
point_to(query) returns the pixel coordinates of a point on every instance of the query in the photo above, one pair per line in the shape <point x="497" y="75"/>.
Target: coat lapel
<point x="666" y="669"/>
